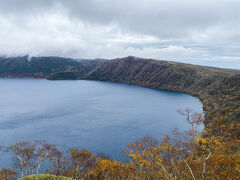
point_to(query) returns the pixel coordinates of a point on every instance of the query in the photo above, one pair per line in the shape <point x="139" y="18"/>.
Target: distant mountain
<point x="42" y="67"/>
<point x="217" y="88"/>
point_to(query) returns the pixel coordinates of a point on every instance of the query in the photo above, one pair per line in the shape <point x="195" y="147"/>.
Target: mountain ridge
<point x="217" y="88"/>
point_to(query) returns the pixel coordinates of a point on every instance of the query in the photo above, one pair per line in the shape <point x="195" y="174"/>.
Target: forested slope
<point x="218" y="89"/>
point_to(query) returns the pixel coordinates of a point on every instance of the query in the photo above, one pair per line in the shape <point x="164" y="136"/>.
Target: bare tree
<point x="44" y="152"/>
<point x="24" y="153"/>
<point x="57" y="161"/>
<point x="193" y="119"/>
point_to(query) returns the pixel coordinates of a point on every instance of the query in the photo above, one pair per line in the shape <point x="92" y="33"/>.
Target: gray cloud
<point x="163" y="29"/>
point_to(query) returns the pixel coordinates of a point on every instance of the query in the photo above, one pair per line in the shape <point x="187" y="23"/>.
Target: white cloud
<point x="163" y="29"/>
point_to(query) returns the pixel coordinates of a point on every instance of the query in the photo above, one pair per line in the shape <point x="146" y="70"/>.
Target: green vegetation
<point x="44" y="177"/>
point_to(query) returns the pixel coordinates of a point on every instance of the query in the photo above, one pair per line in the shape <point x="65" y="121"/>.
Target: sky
<point x="192" y="31"/>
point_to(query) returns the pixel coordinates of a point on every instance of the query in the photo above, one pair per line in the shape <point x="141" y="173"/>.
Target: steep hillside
<point x="217" y="88"/>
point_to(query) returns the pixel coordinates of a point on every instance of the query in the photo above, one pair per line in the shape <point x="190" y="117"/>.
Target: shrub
<point x="45" y="177"/>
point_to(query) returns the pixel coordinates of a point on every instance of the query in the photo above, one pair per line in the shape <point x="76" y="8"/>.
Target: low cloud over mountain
<point x="163" y="29"/>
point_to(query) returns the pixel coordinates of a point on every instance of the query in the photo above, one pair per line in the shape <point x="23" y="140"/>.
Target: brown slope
<point x="217" y="88"/>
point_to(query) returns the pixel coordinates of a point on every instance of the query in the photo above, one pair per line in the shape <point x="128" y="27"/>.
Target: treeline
<point x="181" y="155"/>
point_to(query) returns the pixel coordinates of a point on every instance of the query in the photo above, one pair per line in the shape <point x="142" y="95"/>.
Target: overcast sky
<point x="182" y="30"/>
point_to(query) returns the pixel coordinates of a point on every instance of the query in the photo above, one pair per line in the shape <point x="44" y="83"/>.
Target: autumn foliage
<point x="180" y="155"/>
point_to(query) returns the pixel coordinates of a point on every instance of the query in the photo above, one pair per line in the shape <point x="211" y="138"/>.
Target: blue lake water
<point x="98" y="116"/>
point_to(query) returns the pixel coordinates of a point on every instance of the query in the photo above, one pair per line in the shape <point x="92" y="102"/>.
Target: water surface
<point x="98" y="116"/>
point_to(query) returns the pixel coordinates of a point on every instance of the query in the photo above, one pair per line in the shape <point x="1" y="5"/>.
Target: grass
<point x="44" y="177"/>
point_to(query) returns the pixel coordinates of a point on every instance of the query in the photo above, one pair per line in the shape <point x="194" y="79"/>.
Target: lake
<point x="98" y="116"/>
